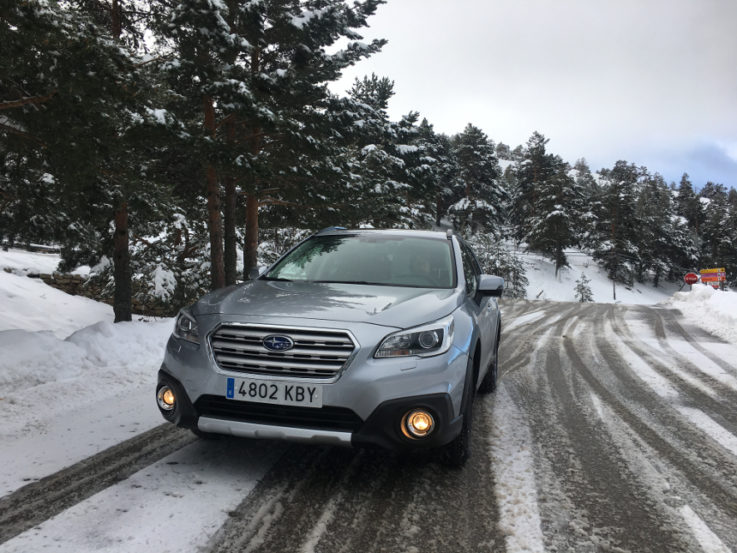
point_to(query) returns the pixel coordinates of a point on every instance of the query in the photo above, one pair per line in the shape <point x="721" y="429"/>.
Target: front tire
<point x="488" y="384"/>
<point x="456" y="453"/>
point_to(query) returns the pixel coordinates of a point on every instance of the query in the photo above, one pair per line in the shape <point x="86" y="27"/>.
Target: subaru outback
<point x="353" y="337"/>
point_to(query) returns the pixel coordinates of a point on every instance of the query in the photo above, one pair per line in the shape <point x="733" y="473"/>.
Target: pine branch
<point x="153" y="60"/>
<point x="12" y="104"/>
<point x="13" y="130"/>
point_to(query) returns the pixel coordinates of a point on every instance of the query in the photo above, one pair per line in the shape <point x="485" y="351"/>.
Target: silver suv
<point x="353" y="337"/>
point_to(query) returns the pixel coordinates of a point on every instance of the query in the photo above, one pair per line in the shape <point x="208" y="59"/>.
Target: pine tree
<point x="583" y="291"/>
<point x="259" y="70"/>
<point x="547" y="202"/>
<point x="688" y="205"/>
<point x="77" y="99"/>
<point x="534" y="167"/>
<point x="496" y="259"/>
<point x="552" y="228"/>
<point x="481" y="196"/>
<point x="616" y="222"/>
<point x="717" y="245"/>
<point x="589" y="202"/>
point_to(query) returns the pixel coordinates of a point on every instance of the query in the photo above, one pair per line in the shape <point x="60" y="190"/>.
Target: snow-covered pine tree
<point x="688" y="204"/>
<point x="259" y="70"/>
<point x="75" y="96"/>
<point x="372" y="156"/>
<point x="496" y="259"/>
<point x="717" y="246"/>
<point x="533" y="167"/>
<point x="481" y="197"/>
<point x="617" y="228"/>
<point x="590" y="202"/>
<point x="552" y="227"/>
<point x="547" y="202"/>
<point x="583" y="291"/>
<point x="436" y="171"/>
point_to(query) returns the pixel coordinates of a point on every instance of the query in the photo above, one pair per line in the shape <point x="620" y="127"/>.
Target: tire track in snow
<point x="704" y="396"/>
<point x="717" y="392"/>
<point x="706" y="469"/>
<point x="322" y="499"/>
<point x="590" y="501"/>
<point x="41" y="500"/>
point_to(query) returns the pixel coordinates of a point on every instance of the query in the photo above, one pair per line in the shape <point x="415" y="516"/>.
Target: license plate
<point x="274" y="392"/>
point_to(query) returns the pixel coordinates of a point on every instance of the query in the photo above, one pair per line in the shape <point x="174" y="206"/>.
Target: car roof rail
<point x="449" y="233"/>
<point x="328" y="229"/>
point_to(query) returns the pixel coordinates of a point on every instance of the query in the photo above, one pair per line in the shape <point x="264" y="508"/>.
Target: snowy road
<point x="614" y="429"/>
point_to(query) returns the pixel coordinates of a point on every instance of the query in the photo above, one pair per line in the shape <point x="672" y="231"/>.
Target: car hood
<point x="393" y="306"/>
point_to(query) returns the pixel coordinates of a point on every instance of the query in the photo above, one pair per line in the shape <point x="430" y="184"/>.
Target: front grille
<point x="325" y="418"/>
<point x="316" y="353"/>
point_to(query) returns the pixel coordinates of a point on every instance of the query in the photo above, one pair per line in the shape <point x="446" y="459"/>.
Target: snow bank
<point x="713" y="310"/>
<point x="63" y="351"/>
<point x="98" y="361"/>
<point x="29" y="304"/>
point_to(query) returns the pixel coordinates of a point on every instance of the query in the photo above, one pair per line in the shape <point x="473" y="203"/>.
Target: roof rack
<point x="328" y="229"/>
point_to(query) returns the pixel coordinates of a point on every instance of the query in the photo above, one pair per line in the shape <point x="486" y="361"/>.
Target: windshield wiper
<point x="280" y="279"/>
<point x="348" y="282"/>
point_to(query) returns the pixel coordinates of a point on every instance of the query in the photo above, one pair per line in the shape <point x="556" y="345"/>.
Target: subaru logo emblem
<point x="277" y="342"/>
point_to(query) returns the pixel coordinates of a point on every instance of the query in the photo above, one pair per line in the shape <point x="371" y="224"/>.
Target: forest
<point x="175" y="145"/>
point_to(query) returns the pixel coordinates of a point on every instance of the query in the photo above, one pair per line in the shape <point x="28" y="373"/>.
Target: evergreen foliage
<point x="496" y="258"/>
<point x="583" y="291"/>
<point x="479" y="196"/>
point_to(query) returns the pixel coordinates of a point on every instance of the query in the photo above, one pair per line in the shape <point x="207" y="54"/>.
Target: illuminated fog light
<point x="166" y="399"/>
<point x="418" y="424"/>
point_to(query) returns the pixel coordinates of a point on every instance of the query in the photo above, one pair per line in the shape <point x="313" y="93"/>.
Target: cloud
<point x="603" y="80"/>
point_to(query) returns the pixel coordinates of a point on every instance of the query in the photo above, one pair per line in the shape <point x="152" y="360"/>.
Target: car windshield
<point x="369" y="259"/>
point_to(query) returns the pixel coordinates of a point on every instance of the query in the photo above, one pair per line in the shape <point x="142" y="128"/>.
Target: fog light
<point x="166" y="399"/>
<point x="418" y="424"/>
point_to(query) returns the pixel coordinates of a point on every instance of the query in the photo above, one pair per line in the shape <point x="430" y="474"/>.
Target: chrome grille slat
<point x="258" y="349"/>
<point x="280" y="363"/>
<point x="299" y="337"/>
<point x="316" y="353"/>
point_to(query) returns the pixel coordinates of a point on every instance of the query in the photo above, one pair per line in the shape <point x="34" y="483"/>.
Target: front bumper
<point x="364" y="405"/>
<point x="328" y="425"/>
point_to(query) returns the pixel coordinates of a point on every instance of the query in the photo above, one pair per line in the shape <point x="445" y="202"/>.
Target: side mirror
<point x="254" y="273"/>
<point x="491" y="286"/>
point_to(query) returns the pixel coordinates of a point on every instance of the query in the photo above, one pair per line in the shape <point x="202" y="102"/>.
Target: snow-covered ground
<point x="73" y="384"/>
<point x="544" y="285"/>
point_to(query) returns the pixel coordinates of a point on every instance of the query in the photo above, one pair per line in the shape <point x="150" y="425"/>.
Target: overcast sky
<point x="653" y="82"/>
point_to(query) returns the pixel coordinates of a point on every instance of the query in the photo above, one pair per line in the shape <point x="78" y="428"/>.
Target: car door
<point x="484" y="308"/>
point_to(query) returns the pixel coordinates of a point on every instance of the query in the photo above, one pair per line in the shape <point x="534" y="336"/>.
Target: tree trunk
<point x="122" y="307"/>
<point x="214" y="217"/>
<point x="123" y="294"/>
<point x="250" y="254"/>
<point x="230" y="256"/>
<point x="116" y="20"/>
<point x="250" y="250"/>
<point x="229" y="212"/>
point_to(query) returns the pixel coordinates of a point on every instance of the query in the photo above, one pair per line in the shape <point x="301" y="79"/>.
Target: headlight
<point x="186" y="327"/>
<point x="424" y="341"/>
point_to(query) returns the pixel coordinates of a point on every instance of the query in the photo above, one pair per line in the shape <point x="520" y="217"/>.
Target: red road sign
<point x="691" y="278"/>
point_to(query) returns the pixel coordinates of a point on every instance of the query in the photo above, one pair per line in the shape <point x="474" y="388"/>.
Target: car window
<point x="384" y="259"/>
